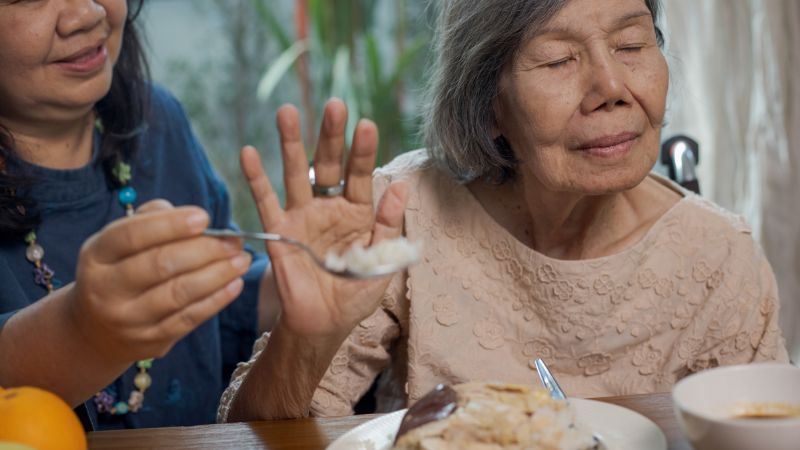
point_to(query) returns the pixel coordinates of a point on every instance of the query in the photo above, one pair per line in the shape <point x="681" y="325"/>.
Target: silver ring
<point x="324" y="191"/>
<point x="328" y="191"/>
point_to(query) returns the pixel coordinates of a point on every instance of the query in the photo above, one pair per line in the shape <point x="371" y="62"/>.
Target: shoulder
<point x="165" y="117"/>
<point x="699" y="211"/>
<point x="405" y="166"/>
<point x="163" y="104"/>
<point x="704" y="212"/>
<point x="417" y="169"/>
<point x="171" y="156"/>
<point x="711" y="237"/>
<point x="168" y="130"/>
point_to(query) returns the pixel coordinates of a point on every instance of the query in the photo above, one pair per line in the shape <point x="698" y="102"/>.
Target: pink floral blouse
<point x="694" y="293"/>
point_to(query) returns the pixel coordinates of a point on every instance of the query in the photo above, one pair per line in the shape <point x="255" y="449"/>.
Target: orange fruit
<point x="40" y="419"/>
<point x="13" y="446"/>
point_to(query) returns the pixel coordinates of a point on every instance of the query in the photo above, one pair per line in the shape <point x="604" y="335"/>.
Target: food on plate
<point x="399" y="252"/>
<point x="489" y="416"/>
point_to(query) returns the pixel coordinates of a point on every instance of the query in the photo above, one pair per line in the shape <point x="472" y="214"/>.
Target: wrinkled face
<point x="583" y="101"/>
<point x="57" y="56"/>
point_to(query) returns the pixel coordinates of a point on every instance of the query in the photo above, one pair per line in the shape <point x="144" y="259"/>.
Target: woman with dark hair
<point x="89" y="295"/>
<point x="544" y="233"/>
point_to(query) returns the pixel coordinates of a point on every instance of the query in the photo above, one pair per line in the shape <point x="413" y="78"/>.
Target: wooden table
<point x="316" y="434"/>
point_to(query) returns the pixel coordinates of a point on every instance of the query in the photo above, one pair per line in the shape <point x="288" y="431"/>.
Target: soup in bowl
<point x="745" y="407"/>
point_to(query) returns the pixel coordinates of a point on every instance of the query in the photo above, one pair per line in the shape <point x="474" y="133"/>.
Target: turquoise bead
<point x="127" y="195"/>
<point x="121" y="407"/>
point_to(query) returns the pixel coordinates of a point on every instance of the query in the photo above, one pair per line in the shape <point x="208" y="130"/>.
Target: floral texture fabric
<point x="695" y="292"/>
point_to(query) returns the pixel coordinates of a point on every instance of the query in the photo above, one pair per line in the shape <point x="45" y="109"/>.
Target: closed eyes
<point x="631" y="48"/>
<point x="560" y="63"/>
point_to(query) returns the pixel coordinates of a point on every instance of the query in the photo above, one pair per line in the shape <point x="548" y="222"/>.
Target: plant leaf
<point x="278" y="69"/>
<point x="340" y="72"/>
<point x="406" y="58"/>
<point x="273" y="25"/>
<point x="373" y="61"/>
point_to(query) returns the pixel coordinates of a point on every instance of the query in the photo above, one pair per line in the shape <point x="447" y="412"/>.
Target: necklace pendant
<point x="43" y="275"/>
<point x="34" y="253"/>
<point x="127" y="196"/>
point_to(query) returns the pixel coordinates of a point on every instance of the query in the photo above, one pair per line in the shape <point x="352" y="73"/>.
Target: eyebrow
<point x="618" y="23"/>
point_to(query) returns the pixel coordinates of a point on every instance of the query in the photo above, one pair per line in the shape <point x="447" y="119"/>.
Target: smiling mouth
<point x="86" y="61"/>
<point x="82" y="56"/>
<point x="609" y="146"/>
<point x="608" y="141"/>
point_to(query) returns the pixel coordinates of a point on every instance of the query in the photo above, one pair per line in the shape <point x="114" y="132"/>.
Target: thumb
<point x="390" y="214"/>
<point x="153" y="206"/>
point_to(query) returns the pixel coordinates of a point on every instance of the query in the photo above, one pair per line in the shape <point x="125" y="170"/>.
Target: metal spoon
<point x="378" y="271"/>
<point x="549" y="382"/>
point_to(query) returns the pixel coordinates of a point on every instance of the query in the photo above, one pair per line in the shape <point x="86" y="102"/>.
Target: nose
<point x="79" y="16"/>
<point x="605" y="81"/>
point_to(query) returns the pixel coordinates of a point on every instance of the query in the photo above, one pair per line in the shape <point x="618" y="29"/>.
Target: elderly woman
<point x="544" y="232"/>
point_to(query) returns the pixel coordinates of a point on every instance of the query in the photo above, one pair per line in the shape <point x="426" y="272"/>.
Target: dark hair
<point x="122" y="113"/>
<point x="473" y="42"/>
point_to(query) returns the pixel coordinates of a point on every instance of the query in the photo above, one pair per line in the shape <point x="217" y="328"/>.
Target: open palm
<point x="313" y="302"/>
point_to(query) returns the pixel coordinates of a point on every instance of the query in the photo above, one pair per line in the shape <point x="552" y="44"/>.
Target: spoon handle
<point x="548" y="380"/>
<point x="243" y="234"/>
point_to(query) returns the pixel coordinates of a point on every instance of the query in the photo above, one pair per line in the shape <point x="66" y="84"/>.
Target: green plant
<point x="337" y="48"/>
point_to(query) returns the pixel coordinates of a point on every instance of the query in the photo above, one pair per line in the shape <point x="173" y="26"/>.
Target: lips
<point x="84" y="52"/>
<point x="86" y="60"/>
<point x="609" y="148"/>
<point x="608" y="141"/>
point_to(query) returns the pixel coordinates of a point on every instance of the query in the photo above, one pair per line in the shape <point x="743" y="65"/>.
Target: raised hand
<point x="144" y="282"/>
<point x="313" y="302"/>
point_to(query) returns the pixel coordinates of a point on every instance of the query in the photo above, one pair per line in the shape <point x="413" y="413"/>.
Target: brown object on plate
<point x="491" y="416"/>
<point x="435" y="405"/>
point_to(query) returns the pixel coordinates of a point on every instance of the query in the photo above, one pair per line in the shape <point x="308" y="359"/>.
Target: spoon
<point x="377" y="271"/>
<point x="549" y="382"/>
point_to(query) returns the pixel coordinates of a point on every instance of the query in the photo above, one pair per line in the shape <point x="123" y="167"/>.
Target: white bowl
<point x="707" y="405"/>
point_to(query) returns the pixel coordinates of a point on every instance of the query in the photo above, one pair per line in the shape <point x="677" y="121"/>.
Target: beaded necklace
<point x="105" y="400"/>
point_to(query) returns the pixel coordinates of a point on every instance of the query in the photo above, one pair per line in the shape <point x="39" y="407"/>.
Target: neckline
<point x="532" y="254"/>
<point x="54" y="188"/>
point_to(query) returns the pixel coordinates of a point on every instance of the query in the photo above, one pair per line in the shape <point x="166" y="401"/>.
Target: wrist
<point x="89" y="335"/>
<point x="321" y="342"/>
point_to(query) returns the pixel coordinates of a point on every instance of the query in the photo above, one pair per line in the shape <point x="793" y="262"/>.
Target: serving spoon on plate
<point x="344" y="272"/>
<point x="549" y="382"/>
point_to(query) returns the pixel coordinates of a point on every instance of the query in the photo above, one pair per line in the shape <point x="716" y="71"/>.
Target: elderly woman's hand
<point x="313" y="302"/>
<point x="144" y="282"/>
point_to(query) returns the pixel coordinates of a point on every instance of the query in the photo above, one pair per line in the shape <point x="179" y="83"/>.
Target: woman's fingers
<point x="361" y="163"/>
<point x="330" y="148"/>
<point x="267" y="201"/>
<point x="185" y="320"/>
<point x="180" y="292"/>
<point x="391" y="209"/>
<point x="131" y="235"/>
<point x="295" y="164"/>
<point x="140" y="272"/>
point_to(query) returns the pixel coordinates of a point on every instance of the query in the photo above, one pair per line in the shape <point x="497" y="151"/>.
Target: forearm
<point x="283" y="379"/>
<point x="40" y="346"/>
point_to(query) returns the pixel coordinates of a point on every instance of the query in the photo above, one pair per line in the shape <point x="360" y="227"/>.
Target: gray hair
<point x="474" y="41"/>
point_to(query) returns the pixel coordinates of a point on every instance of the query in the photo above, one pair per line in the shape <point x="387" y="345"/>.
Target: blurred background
<point x="232" y="63"/>
<point x="735" y="88"/>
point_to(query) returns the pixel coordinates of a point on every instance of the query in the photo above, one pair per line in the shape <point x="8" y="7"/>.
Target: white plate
<point x="620" y="428"/>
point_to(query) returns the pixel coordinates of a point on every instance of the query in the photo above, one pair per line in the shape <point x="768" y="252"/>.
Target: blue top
<point x="75" y="204"/>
